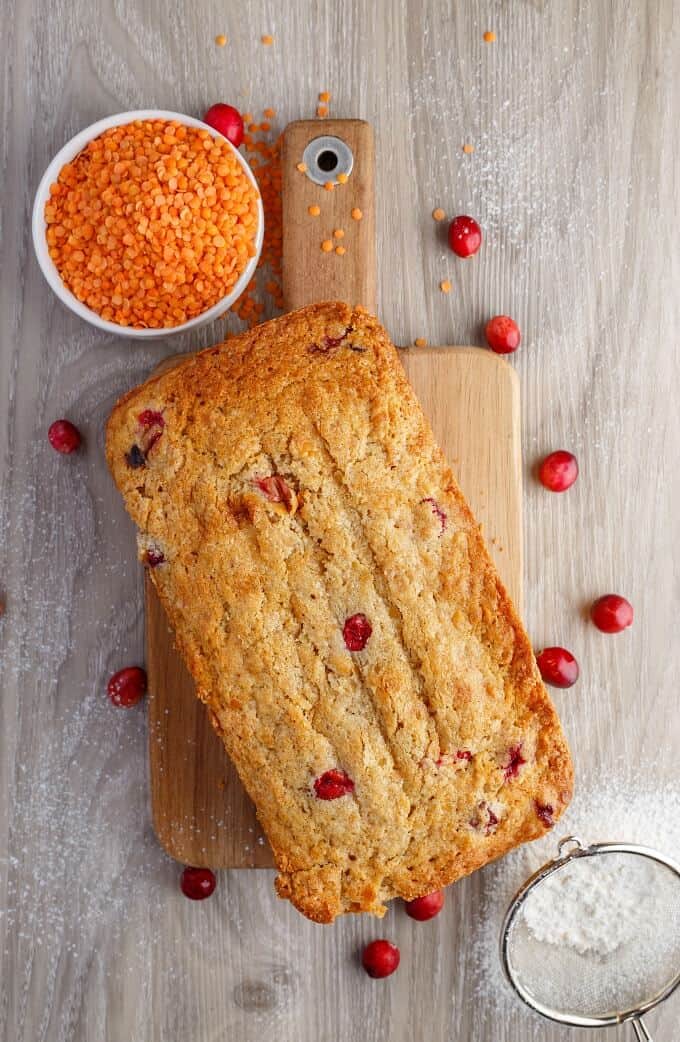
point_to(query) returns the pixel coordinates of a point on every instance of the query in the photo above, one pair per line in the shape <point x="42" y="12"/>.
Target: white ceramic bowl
<point x="49" y="269"/>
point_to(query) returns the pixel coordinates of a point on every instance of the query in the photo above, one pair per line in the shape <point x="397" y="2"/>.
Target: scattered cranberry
<point x="226" y="120"/>
<point x="558" y="667"/>
<point x="502" y="334"/>
<point x="380" y="958"/>
<point x="558" y="471"/>
<point x="612" y="613"/>
<point x="437" y="511"/>
<point x="465" y="236"/>
<point x="333" y="784"/>
<point x="154" y="557"/>
<point x="356" y="631"/>
<point x="197" y="883"/>
<point x="514" y="762"/>
<point x="424" y="908"/>
<point x="127" y="687"/>
<point x="64" y="437"/>
<point x="544" y="812"/>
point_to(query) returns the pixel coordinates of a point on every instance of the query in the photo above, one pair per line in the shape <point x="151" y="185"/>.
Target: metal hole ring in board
<point x="326" y="157"/>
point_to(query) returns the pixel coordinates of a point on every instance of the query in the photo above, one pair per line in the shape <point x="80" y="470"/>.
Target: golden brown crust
<point x="292" y="483"/>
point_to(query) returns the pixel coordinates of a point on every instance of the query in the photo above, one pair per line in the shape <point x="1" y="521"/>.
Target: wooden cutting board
<point x="201" y="813"/>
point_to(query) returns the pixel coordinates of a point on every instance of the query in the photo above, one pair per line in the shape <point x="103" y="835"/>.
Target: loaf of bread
<point x="334" y="601"/>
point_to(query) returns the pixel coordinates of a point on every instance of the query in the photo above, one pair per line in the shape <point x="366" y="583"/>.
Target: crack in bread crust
<point x="261" y="570"/>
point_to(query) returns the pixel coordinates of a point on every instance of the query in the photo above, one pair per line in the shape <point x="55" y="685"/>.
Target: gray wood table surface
<point x="574" y="116"/>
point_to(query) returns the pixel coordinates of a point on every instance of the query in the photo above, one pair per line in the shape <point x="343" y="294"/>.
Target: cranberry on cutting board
<point x="197" y="883"/>
<point x="127" y="687"/>
<point x="558" y="471"/>
<point x="465" y="236"/>
<point x="64" y="436"/>
<point x="226" y="120"/>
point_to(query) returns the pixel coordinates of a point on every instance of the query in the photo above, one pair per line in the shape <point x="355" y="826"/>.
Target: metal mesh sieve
<point x="593" y="938"/>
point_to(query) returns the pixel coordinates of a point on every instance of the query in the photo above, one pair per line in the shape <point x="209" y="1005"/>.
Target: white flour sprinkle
<point x="594" y="905"/>
<point x="616" y="809"/>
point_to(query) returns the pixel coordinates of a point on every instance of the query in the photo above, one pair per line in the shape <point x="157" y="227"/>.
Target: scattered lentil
<point x="267" y="40"/>
<point x="438" y="214"/>
<point x="152" y="223"/>
<point x="420" y="341"/>
<point x="342" y="179"/>
<point x="220" y="40"/>
<point x="302" y="167"/>
<point x="339" y="233"/>
<point x="468" y="149"/>
<point x="327" y="245"/>
<point x="269" y="113"/>
<point x="489" y="37"/>
<point x="445" y="286"/>
<point x="324" y="96"/>
<point x="321" y="110"/>
<point x="329" y="186"/>
<point x="340" y="250"/>
<point x="357" y="214"/>
<point x="314" y="210"/>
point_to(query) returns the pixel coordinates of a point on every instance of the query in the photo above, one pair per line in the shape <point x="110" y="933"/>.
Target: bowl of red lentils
<point x="148" y="223"/>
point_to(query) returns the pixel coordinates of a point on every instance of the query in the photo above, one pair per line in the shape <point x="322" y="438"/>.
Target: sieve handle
<point x="641" y="1032"/>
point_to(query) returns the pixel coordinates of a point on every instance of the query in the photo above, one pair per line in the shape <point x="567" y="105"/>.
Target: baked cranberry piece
<point x="612" y="613"/>
<point x="558" y="471"/>
<point x="197" y="883"/>
<point x="356" y="631"/>
<point x="275" y="488"/>
<point x="151" y="418"/>
<point x="127" y="687"/>
<point x="484" y="819"/>
<point x="64" y="437"/>
<point x="333" y="784"/>
<point x="514" y="762"/>
<point x="154" y="557"/>
<point x="558" y="667"/>
<point x="135" y="458"/>
<point x="437" y="511"/>
<point x="423" y="908"/>
<point x="544" y="812"/>
<point x="380" y="959"/>
<point x="463" y="754"/>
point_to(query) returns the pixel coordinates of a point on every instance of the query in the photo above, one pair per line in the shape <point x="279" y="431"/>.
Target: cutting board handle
<point x="327" y="148"/>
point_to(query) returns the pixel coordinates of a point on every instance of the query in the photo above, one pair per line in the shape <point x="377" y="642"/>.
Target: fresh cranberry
<point x="197" y="883"/>
<point x="154" y="557"/>
<point x="514" y="762"/>
<point x="424" y="908"/>
<point x="437" y="511"/>
<point x="380" y="959"/>
<point x="356" y="631"/>
<point x="612" y="613"/>
<point x="558" y="471"/>
<point x="64" y="437"/>
<point x="127" y="687"/>
<point x="465" y="236"/>
<point x="502" y="334"/>
<point x="333" y="784"/>
<point x="226" y="120"/>
<point x="544" y="812"/>
<point x="558" y="667"/>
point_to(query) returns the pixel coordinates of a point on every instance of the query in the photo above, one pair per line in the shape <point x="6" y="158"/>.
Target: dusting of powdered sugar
<point x="618" y="808"/>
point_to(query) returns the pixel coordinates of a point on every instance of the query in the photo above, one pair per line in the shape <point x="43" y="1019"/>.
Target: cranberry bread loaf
<point x="336" y="605"/>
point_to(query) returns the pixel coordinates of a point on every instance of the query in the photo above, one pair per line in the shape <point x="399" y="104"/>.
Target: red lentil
<point x="356" y="214"/>
<point x="439" y="214"/>
<point x="152" y="223"/>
